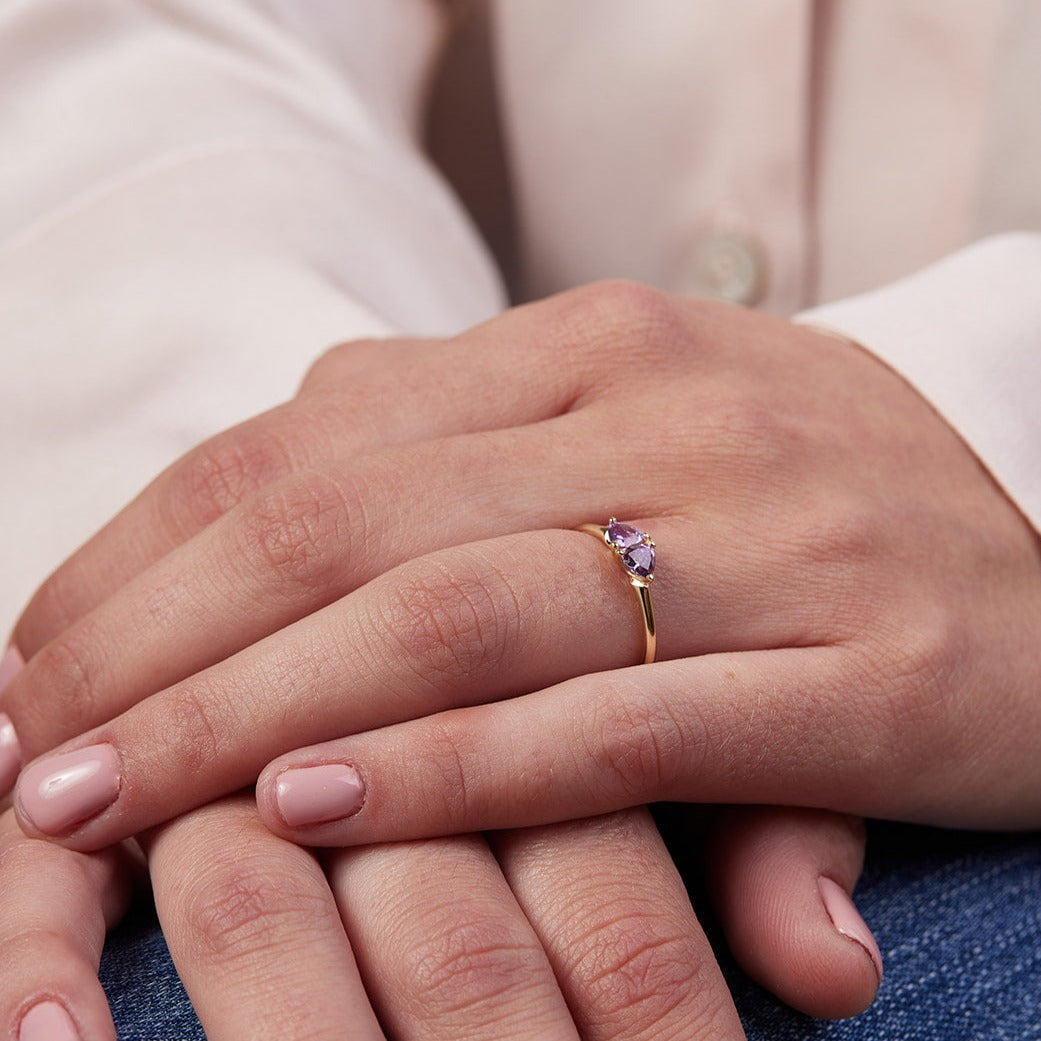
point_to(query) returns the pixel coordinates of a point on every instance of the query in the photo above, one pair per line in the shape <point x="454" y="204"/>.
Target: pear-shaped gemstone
<point x="623" y="536"/>
<point x="639" y="559"/>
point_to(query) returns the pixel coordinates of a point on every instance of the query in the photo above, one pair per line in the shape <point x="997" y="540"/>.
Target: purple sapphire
<point x="639" y="559"/>
<point x="623" y="536"/>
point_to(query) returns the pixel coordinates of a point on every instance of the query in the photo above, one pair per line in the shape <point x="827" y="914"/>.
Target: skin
<point x="848" y="606"/>
<point x="832" y="555"/>
<point x="832" y="975"/>
<point x="575" y="930"/>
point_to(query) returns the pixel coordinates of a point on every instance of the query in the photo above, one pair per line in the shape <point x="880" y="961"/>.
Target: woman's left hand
<point x="848" y="607"/>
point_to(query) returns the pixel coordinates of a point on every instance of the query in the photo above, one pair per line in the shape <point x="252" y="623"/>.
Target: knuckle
<point x="843" y="530"/>
<point x="621" y="317"/>
<point x="299" y="532"/>
<point x="456" y="962"/>
<point x="196" y="732"/>
<point x="452" y="622"/>
<point x="908" y="719"/>
<point x="638" y="967"/>
<point x="22" y="857"/>
<point x="70" y="672"/>
<point x="636" y="743"/>
<point x="748" y="436"/>
<point x="58" y="870"/>
<point x="379" y="363"/>
<point x="937" y="655"/>
<point x="630" y="306"/>
<point x="54" y="607"/>
<point x="219" y="475"/>
<point x="927" y="665"/>
<point x="237" y="908"/>
<point x="327" y="365"/>
<point x="838" y="539"/>
<point x="339" y="360"/>
<point x="450" y="802"/>
<point x="38" y="946"/>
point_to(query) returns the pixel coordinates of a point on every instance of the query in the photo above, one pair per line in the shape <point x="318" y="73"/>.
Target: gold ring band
<point x="635" y="552"/>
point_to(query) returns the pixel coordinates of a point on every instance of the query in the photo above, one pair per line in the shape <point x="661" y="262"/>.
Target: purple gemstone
<point x="639" y="560"/>
<point x="623" y="536"/>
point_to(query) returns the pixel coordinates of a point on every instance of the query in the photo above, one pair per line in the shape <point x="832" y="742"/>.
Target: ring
<point x="635" y="551"/>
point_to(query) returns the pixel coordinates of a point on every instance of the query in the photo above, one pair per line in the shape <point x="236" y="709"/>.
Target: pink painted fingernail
<point x="10" y="751"/>
<point x="846" y="918"/>
<point x="319" y="794"/>
<point x="47" y="1021"/>
<point x="10" y="754"/>
<point x="62" y="791"/>
<point x="10" y="665"/>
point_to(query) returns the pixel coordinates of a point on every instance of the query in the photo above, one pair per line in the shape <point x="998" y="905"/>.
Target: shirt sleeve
<point x="196" y="198"/>
<point x="966" y="332"/>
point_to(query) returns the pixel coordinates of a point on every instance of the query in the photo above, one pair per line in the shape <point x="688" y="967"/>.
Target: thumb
<point x="780" y="880"/>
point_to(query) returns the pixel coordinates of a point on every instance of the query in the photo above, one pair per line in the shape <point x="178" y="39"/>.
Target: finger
<point x="443" y="946"/>
<point x="293" y="549"/>
<point x="254" y="931"/>
<point x="738" y="727"/>
<point x="369" y="394"/>
<point x="613" y="916"/>
<point x="359" y="397"/>
<point x="55" y="907"/>
<point x="781" y="880"/>
<point x="799" y="726"/>
<point x="471" y="624"/>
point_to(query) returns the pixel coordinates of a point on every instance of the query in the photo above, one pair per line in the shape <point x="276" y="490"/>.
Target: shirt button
<point x="727" y="265"/>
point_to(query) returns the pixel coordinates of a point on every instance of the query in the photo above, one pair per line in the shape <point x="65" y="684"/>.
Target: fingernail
<point x="10" y="665"/>
<point x="47" y="1021"/>
<point x="10" y="754"/>
<point x="319" y="794"/>
<point x="846" y="918"/>
<point x="10" y="750"/>
<point x="65" y="790"/>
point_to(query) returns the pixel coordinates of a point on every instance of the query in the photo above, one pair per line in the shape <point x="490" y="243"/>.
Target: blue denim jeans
<point x="957" y="915"/>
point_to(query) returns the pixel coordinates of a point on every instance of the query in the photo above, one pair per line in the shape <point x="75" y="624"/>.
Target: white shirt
<point x="196" y="198"/>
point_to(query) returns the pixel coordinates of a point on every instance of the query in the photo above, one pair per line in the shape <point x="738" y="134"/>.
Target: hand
<point x="451" y="942"/>
<point x="849" y="606"/>
<point x="113" y="576"/>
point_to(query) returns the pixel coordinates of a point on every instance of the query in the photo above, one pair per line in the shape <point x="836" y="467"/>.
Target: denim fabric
<point x="144" y="991"/>
<point x="957" y="915"/>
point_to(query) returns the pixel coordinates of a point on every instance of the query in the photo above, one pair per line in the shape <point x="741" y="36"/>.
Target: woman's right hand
<point x="578" y="930"/>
